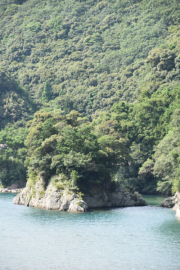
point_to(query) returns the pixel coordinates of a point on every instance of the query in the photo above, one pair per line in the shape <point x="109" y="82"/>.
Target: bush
<point x="33" y="26"/>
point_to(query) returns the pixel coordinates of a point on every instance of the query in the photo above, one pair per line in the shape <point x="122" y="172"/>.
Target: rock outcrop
<point x="169" y="202"/>
<point x="51" y="199"/>
<point x="118" y="198"/>
<point x="66" y="200"/>
<point x="177" y="203"/>
<point x="173" y="202"/>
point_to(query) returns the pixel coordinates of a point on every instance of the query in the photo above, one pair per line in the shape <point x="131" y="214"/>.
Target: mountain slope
<point x="90" y="56"/>
<point x="15" y="104"/>
<point x="89" y="51"/>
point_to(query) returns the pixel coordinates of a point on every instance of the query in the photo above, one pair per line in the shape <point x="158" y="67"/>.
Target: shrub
<point x="34" y="26"/>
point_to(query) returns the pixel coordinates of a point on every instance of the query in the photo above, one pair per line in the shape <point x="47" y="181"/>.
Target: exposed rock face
<point x="168" y="203"/>
<point x="177" y="204"/>
<point x="118" y="198"/>
<point x="51" y="199"/>
<point x="173" y="202"/>
<point x="66" y="200"/>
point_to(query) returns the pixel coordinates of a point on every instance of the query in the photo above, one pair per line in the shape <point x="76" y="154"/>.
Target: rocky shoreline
<point x="7" y="190"/>
<point x="174" y="203"/>
<point x="67" y="200"/>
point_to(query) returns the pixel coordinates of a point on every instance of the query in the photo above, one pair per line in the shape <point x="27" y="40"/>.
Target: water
<point x="134" y="238"/>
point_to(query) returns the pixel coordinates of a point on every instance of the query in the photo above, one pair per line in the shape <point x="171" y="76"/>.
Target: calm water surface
<point x="134" y="238"/>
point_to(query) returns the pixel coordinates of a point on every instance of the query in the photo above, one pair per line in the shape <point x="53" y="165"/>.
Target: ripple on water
<point x="123" y="238"/>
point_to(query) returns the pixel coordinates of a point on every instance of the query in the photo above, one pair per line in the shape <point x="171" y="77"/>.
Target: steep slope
<point x="15" y="104"/>
<point x="88" y="56"/>
<point x="91" y="52"/>
<point x="16" y="108"/>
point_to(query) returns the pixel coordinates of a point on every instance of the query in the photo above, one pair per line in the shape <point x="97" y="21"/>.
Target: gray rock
<point x="173" y="202"/>
<point x="22" y="198"/>
<point x="67" y="200"/>
<point x="51" y="199"/>
<point x="7" y="190"/>
<point x="77" y="206"/>
<point x="118" y="198"/>
<point x="177" y="203"/>
<point x="168" y="203"/>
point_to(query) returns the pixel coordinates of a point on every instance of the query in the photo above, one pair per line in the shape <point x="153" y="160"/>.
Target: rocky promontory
<point x="67" y="200"/>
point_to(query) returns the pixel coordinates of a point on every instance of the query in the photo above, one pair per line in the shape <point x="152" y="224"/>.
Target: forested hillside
<point x="91" y="52"/>
<point x="15" y="104"/>
<point x="16" y="108"/>
<point x="106" y="73"/>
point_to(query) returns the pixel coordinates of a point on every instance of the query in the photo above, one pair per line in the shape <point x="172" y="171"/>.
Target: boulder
<point x="168" y="203"/>
<point x="173" y="202"/>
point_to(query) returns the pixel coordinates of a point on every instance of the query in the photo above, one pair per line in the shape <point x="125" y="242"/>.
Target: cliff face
<point x="51" y="198"/>
<point x="177" y="204"/>
<point x="67" y="200"/>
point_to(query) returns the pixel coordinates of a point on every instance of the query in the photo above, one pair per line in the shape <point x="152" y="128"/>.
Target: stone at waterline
<point x="7" y="190"/>
<point x="168" y="202"/>
<point x="14" y="188"/>
<point x="173" y="202"/>
<point x="67" y="200"/>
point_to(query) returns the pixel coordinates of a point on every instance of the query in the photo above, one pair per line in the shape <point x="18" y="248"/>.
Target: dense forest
<point x="89" y="93"/>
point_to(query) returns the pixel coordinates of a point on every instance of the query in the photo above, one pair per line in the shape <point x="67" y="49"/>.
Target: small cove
<point x="121" y="238"/>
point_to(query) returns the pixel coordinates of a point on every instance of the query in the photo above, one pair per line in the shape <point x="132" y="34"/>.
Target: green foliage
<point x="85" y="47"/>
<point x="11" y="10"/>
<point x="59" y="181"/>
<point x="32" y="179"/>
<point x="41" y="194"/>
<point x="15" y="103"/>
<point x="175" y="185"/>
<point x="12" y="156"/>
<point x="119" y="56"/>
<point x="56" y="24"/>
<point x="46" y="94"/>
<point x="146" y="124"/>
<point x="66" y="145"/>
<point x="34" y="27"/>
<point x="167" y="159"/>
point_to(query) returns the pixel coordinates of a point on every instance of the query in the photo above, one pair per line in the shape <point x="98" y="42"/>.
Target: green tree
<point x="47" y="92"/>
<point x="167" y="158"/>
<point x="12" y="156"/>
<point x="68" y="145"/>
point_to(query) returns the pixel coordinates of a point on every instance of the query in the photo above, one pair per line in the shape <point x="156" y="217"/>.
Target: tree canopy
<point x="103" y="79"/>
<point x="71" y="148"/>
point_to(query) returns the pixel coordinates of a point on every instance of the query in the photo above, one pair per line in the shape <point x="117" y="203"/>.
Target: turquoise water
<point x="134" y="238"/>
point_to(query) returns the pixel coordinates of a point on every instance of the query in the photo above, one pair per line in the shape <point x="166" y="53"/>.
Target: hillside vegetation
<point x="15" y="104"/>
<point x="106" y="75"/>
<point x="91" y="52"/>
<point x="73" y="150"/>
